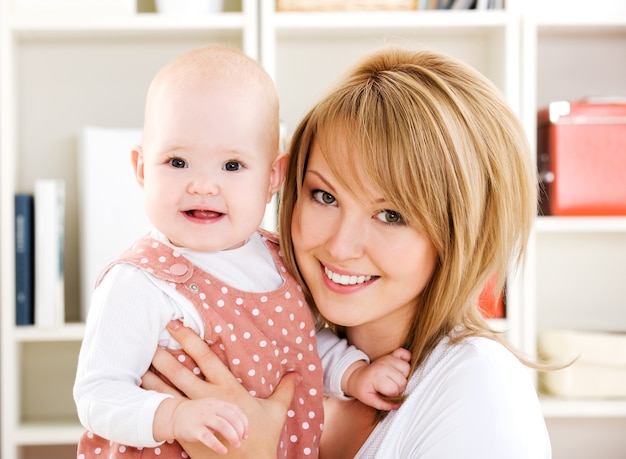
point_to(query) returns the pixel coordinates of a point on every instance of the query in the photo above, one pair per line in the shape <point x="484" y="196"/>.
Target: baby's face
<point x="208" y="165"/>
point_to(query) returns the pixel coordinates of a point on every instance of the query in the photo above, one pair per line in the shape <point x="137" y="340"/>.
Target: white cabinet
<point x="575" y="279"/>
<point x="60" y="73"/>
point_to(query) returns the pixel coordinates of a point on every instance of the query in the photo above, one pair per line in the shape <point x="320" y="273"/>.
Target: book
<point x="111" y="211"/>
<point x="24" y="259"/>
<point x="49" y="203"/>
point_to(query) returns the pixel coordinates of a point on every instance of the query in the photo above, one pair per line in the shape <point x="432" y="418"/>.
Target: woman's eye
<point x="324" y="197"/>
<point x="232" y="166"/>
<point x="178" y="163"/>
<point x="390" y="216"/>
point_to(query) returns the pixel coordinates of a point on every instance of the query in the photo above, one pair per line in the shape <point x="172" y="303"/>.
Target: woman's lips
<point x="345" y="279"/>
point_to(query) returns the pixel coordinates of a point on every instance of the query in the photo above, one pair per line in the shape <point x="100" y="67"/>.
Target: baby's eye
<point x="232" y="166"/>
<point x="324" y="197"/>
<point x="178" y="163"/>
<point x="390" y="216"/>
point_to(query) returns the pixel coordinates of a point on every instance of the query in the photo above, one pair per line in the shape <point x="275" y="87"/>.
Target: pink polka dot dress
<point x="260" y="336"/>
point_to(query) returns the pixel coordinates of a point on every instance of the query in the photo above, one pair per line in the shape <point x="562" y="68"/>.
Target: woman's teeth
<point x="344" y="279"/>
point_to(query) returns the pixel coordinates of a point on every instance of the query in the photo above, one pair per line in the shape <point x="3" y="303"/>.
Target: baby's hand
<point x="203" y="419"/>
<point x="385" y="376"/>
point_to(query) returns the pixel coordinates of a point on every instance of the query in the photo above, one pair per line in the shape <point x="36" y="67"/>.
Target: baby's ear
<point x="277" y="174"/>
<point x="136" y="158"/>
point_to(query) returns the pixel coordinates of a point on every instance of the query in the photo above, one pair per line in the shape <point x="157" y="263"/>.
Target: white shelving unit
<point x="573" y="50"/>
<point x="59" y="74"/>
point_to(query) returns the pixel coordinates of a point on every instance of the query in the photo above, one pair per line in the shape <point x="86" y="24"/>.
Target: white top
<point x="473" y="400"/>
<point x="127" y="318"/>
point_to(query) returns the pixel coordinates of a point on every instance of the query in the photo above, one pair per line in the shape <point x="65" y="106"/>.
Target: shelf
<point x="580" y="225"/>
<point x="562" y="408"/>
<point x="31" y="333"/>
<point x="140" y="24"/>
<point x="433" y="23"/>
<point x="48" y="433"/>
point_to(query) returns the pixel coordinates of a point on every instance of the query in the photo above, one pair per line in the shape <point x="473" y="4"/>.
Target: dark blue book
<point x="24" y="259"/>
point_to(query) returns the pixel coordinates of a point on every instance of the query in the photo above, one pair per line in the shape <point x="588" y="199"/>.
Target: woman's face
<point x="361" y="262"/>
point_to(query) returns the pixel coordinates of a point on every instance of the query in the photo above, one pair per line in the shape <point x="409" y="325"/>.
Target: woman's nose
<point x="347" y="239"/>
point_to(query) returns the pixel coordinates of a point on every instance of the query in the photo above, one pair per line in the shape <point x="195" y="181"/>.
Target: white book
<point x="111" y="210"/>
<point x="49" y="245"/>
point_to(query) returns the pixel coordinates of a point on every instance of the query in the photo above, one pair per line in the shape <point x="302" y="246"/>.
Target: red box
<point x="581" y="158"/>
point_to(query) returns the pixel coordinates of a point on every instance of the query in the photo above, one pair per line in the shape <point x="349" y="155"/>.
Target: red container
<point x="581" y="158"/>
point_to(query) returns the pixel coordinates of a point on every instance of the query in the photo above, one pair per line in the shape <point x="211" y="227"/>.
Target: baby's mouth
<point x="344" y="279"/>
<point x="203" y="214"/>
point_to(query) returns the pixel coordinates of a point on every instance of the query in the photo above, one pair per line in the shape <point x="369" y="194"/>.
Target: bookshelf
<point x="60" y="74"/>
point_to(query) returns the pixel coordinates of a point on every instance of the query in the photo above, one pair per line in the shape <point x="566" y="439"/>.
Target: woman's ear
<point x="136" y="158"/>
<point x="277" y="174"/>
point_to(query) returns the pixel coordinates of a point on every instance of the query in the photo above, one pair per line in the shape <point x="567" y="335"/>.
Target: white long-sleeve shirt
<point x="127" y="320"/>
<point x="473" y="400"/>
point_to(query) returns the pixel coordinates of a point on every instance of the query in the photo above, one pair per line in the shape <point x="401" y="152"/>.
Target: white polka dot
<point x="224" y="290"/>
<point x="305" y="425"/>
<point x="270" y="322"/>
<point x="162" y="259"/>
<point x="205" y="306"/>
<point x="285" y="332"/>
<point x="218" y="329"/>
<point x="144" y="261"/>
<point x="312" y="367"/>
<point x="263" y="343"/>
<point x="307" y="451"/>
<point x="202" y="296"/>
<point x="98" y="450"/>
<point x="286" y="349"/>
<point x="263" y="299"/>
<point x="313" y="391"/>
<point x="252" y="392"/>
<point x="299" y="340"/>
<point x="269" y="366"/>
<point x="155" y="244"/>
<point x="233" y="337"/>
<point x="122" y="449"/>
<point x="291" y="413"/>
<point x="292" y="316"/>
<point x="182" y="358"/>
<point x="300" y="356"/>
<point x="302" y="325"/>
<point x="157" y="451"/>
<point x="236" y="361"/>
<point x="255" y="312"/>
<point x="311" y="414"/>
<point x="293" y="438"/>
<point x="256" y="358"/>
<point x="231" y="327"/>
<point x="80" y="456"/>
<point x="220" y="303"/>
<point x="239" y="301"/>
<point x="251" y="372"/>
<point x="278" y="309"/>
<point x="246" y="335"/>
<point x="196" y="371"/>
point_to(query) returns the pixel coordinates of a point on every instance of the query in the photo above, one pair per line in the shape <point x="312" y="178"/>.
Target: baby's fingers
<point x="232" y="424"/>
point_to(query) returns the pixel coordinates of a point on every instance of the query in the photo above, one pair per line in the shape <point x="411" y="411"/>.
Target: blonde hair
<point x="438" y="141"/>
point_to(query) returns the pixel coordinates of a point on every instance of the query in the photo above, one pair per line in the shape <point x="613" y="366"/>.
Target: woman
<point x="409" y="185"/>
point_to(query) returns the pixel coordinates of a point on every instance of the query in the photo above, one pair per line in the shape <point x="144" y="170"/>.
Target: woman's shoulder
<point x="474" y="357"/>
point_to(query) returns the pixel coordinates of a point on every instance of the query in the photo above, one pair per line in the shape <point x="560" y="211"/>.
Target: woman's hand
<point x="266" y="417"/>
